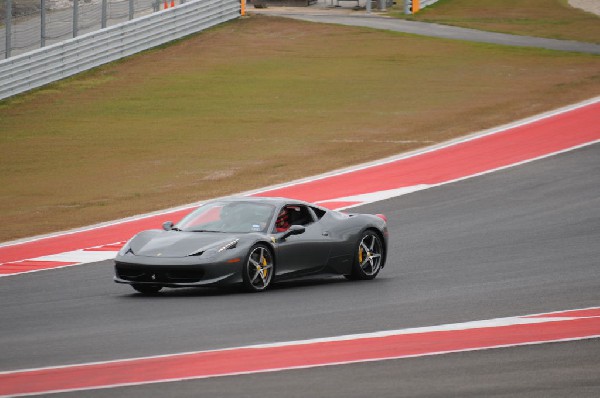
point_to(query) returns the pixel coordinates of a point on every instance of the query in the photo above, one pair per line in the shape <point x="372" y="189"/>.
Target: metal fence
<point x="54" y="62"/>
<point x="26" y="25"/>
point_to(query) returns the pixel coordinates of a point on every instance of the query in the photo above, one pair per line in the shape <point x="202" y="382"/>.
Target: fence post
<point x="8" y="21"/>
<point x="75" y="17"/>
<point x="407" y="7"/>
<point x="130" y="10"/>
<point x="382" y="5"/>
<point x="43" y="23"/>
<point x="103" y="17"/>
<point x="368" y="6"/>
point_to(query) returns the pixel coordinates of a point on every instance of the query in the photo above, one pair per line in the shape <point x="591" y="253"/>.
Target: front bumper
<point x="175" y="272"/>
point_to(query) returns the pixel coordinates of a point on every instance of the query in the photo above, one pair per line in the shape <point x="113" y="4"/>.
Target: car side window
<point x="318" y="212"/>
<point x="293" y="215"/>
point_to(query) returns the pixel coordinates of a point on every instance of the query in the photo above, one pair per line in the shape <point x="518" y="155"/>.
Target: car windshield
<point x="230" y="217"/>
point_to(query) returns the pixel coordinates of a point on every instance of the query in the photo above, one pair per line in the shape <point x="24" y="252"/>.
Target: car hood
<point x="177" y="243"/>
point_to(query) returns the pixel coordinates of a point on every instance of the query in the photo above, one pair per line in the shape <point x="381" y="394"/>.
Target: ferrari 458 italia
<point x="253" y="242"/>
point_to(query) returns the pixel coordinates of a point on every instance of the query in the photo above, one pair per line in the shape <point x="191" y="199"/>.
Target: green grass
<point x="543" y="18"/>
<point x="255" y="102"/>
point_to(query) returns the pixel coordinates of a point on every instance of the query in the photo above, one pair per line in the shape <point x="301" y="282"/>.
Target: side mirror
<point x="168" y="225"/>
<point x="294" y="230"/>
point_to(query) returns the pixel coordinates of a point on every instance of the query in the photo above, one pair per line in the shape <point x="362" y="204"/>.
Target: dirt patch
<point x="254" y="102"/>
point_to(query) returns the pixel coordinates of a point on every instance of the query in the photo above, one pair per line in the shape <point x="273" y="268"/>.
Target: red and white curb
<point x="507" y="146"/>
<point x="561" y="326"/>
<point x="61" y="260"/>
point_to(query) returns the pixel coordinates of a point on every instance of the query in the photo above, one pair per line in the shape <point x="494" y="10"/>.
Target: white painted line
<point x="299" y="367"/>
<point x="489" y="323"/>
<point x="41" y="269"/>
<point x="361" y="166"/>
<point x="377" y="196"/>
<point x="445" y="144"/>
<point x="79" y="256"/>
<point x="472" y="175"/>
<point x="83" y="257"/>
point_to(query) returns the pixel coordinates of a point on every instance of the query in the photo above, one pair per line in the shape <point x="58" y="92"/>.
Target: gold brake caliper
<point x="360" y="254"/>
<point x="263" y="269"/>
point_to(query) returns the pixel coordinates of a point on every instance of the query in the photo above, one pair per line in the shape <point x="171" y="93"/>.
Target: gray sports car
<point x="253" y="242"/>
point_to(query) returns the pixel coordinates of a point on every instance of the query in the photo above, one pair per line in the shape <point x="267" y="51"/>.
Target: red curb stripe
<point x="529" y="141"/>
<point x="29" y="265"/>
<point x="486" y="153"/>
<point x="33" y="263"/>
<point x="94" y="237"/>
<point x="270" y="358"/>
<point x="337" y="205"/>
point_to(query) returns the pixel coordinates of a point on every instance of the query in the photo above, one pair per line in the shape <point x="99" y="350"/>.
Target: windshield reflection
<point x="228" y="217"/>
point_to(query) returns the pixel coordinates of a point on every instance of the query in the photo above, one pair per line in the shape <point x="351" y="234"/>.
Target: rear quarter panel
<point x="345" y="231"/>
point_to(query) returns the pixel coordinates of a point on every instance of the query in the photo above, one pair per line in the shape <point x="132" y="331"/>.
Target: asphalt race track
<point x="518" y="241"/>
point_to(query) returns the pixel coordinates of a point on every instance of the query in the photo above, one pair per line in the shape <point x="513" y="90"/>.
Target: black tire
<point x="149" y="290"/>
<point x="368" y="256"/>
<point x="259" y="268"/>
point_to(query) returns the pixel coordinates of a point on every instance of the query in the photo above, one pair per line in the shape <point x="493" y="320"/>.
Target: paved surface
<point x="553" y="370"/>
<point x="467" y="156"/>
<point x="514" y="242"/>
<point x="592" y="6"/>
<point x="429" y="29"/>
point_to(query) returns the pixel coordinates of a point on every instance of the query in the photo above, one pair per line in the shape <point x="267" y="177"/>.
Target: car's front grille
<point x="159" y="276"/>
<point x="184" y="276"/>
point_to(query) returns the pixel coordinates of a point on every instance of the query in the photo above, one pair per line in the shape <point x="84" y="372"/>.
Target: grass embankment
<point x="255" y="102"/>
<point x="543" y="18"/>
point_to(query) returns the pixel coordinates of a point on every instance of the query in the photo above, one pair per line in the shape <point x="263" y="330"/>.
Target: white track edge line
<point x="445" y="144"/>
<point x="299" y="367"/>
<point x="433" y="148"/>
<point x="41" y="269"/>
<point x="508" y="166"/>
<point x="355" y="336"/>
<point x="424" y="187"/>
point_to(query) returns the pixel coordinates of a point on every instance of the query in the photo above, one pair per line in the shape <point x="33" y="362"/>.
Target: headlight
<point x="230" y="245"/>
<point x="213" y="250"/>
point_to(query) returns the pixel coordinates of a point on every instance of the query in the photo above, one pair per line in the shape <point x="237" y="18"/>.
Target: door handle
<point x="325" y="233"/>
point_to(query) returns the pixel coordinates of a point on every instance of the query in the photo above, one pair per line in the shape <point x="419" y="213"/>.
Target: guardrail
<point x="49" y="64"/>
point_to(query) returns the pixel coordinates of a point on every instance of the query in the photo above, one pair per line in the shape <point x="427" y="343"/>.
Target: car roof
<point x="276" y="201"/>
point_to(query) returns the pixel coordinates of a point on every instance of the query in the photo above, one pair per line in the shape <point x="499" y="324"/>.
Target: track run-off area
<point x="483" y="273"/>
<point x="506" y="146"/>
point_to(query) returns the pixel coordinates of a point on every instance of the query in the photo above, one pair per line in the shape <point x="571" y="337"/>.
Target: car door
<point x="304" y="253"/>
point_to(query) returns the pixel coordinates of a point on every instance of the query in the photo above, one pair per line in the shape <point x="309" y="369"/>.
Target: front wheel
<point x="146" y="289"/>
<point x="368" y="257"/>
<point x="258" y="269"/>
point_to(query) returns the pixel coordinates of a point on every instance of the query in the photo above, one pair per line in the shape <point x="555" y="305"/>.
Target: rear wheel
<point x="258" y="270"/>
<point x="368" y="257"/>
<point x="146" y="289"/>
